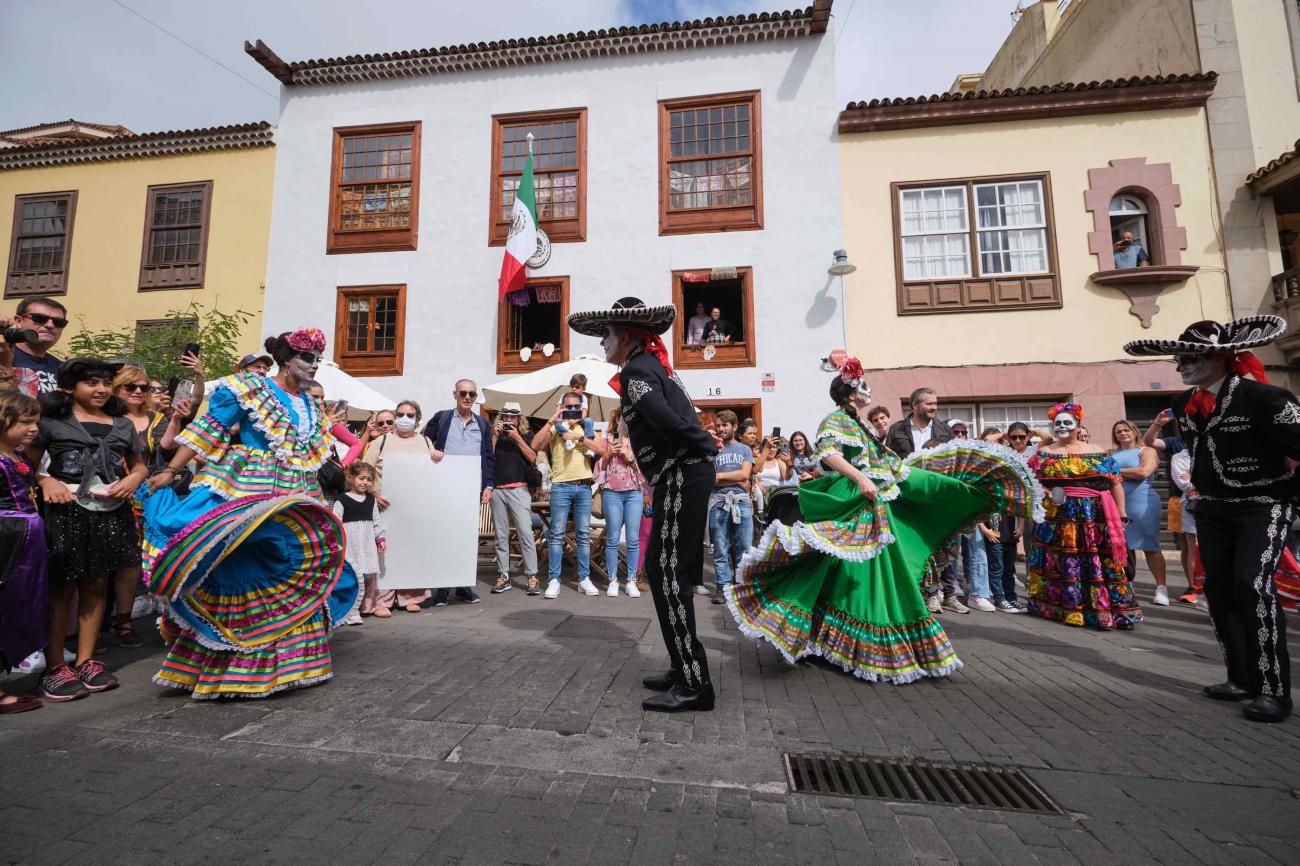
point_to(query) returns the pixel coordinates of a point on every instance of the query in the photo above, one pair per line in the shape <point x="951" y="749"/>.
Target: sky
<point x="110" y="65"/>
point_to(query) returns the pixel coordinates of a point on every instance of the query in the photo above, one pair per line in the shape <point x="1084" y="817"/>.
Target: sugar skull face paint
<point x="1063" y="425"/>
<point x="1197" y="370"/>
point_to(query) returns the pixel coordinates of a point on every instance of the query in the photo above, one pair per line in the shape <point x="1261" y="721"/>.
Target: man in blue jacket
<point x="462" y="431"/>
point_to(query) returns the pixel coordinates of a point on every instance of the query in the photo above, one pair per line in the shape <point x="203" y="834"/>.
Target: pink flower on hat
<point x="307" y="340"/>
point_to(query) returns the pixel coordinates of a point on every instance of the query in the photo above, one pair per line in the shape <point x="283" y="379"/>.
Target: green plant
<point x="157" y="343"/>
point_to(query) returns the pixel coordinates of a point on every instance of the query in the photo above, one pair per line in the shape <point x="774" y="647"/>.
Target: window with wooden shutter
<point x="41" y="244"/>
<point x="370" y="330"/>
<point x="710" y="164"/>
<point x="375" y="189"/>
<point x="176" y="236"/>
<point x="559" y="172"/>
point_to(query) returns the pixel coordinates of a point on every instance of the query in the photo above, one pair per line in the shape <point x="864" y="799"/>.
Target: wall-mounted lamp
<point x="841" y="265"/>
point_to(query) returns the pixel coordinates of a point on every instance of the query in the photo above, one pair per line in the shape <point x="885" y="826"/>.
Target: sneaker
<point x="587" y="587"/>
<point x="702" y="590"/>
<point x="612" y="592"/>
<point x="632" y="591"/>
<point x="94" y="676"/>
<point x="441" y="597"/>
<point x="61" y="684"/>
<point x="934" y="604"/>
<point x="468" y="595"/>
<point x="982" y="604"/>
<point x="353" y="618"/>
<point x="552" y="589"/>
<point x="1161" y="597"/>
<point x="34" y="663"/>
<point x="502" y="585"/>
<point x="1008" y="607"/>
<point x="953" y="603"/>
<point x="142" y="606"/>
<point x="534" y="586"/>
<point x="1189" y="597"/>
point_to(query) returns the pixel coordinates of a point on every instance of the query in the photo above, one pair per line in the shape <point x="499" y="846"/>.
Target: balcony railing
<point x="1286" y="285"/>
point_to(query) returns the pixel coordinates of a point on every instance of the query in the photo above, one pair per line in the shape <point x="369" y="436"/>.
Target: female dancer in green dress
<point x="844" y="583"/>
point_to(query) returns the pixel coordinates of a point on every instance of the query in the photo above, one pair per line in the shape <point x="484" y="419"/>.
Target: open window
<point x="531" y="329"/>
<point x="1129" y="213"/>
<point x="715" y="318"/>
<point x="370" y="330"/>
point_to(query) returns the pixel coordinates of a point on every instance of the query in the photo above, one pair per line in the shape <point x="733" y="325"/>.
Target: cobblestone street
<point x="465" y="735"/>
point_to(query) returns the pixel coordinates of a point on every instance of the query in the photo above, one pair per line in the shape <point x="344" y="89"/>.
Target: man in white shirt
<point x="695" y="327"/>
<point x="911" y="433"/>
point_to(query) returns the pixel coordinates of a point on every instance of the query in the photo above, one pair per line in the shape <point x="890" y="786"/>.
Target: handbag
<point x="330" y="476"/>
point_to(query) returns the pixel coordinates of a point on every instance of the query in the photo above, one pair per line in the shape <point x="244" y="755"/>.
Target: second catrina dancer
<point x="844" y="583"/>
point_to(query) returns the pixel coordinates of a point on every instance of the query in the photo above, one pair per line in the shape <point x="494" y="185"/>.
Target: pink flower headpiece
<point x="307" y="340"/>
<point x="851" y="373"/>
<point x="1073" y="408"/>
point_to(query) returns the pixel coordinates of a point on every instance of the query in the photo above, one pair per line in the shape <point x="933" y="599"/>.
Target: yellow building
<point x="122" y="228"/>
<point x="982" y="224"/>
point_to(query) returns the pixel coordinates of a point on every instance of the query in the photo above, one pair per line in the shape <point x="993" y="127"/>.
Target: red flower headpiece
<point x="1073" y="408"/>
<point x="307" y="340"/>
<point x="851" y="373"/>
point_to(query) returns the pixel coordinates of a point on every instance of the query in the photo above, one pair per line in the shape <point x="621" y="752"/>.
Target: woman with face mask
<point x="1137" y="467"/>
<point x="396" y="432"/>
<point x="1077" y="563"/>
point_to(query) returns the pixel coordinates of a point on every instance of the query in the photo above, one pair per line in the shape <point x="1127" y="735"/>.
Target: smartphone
<point x="776" y="432"/>
<point x="191" y="349"/>
<point x="183" y="390"/>
<point x="341" y="408"/>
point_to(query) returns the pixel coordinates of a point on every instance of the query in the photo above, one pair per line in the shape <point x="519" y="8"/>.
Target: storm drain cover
<point x="612" y="628"/>
<point x="909" y="781"/>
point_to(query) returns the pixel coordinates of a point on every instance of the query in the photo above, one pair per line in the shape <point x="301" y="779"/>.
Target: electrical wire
<point x="197" y="50"/>
<point x="842" y="25"/>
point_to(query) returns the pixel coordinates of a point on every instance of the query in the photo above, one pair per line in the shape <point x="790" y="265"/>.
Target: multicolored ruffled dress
<point x="251" y="562"/>
<point x="844" y="583"/>
<point x="1078" y="558"/>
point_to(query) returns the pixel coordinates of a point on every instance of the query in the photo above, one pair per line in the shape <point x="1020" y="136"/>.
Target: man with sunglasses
<point x="35" y="369"/>
<point x="463" y="431"/>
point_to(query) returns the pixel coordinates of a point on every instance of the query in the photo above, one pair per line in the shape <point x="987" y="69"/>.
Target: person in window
<point x="718" y="329"/>
<point x="695" y="327"/>
<point x="1129" y="253"/>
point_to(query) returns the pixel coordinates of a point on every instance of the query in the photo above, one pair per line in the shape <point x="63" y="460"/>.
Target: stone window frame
<point x="1152" y="184"/>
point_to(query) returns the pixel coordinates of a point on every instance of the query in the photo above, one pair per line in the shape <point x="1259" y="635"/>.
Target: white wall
<point x="451" y="279"/>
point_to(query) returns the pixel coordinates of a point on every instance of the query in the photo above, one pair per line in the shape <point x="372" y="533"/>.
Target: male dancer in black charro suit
<point x="1240" y="434"/>
<point x="675" y="454"/>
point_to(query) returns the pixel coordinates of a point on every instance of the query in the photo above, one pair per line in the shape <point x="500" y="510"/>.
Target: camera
<point x="571" y="414"/>
<point x="508" y="425"/>
<point x="14" y="336"/>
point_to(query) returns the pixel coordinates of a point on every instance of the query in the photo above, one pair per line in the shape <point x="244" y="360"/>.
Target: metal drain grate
<point x="611" y="628"/>
<point x="974" y="785"/>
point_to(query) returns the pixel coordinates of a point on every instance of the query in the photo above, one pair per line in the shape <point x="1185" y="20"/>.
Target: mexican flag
<point x="521" y="244"/>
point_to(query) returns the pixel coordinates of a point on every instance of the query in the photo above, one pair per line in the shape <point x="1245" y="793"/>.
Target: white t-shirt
<point x="920" y="436"/>
<point x="695" y="329"/>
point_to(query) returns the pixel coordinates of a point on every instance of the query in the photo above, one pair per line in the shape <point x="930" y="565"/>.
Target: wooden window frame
<point x="712" y="219"/>
<point x="977" y="293"/>
<point x="508" y="356"/>
<point x="176" y="275"/>
<point x="373" y="240"/>
<point x="713" y="405"/>
<point x="188" y="334"/>
<point x="369" y="363"/>
<point x="49" y="283"/>
<point x="740" y="354"/>
<point x="558" y="230"/>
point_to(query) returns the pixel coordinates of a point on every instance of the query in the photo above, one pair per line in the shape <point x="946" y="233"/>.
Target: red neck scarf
<point x="1202" y="402"/>
<point x="654" y="345"/>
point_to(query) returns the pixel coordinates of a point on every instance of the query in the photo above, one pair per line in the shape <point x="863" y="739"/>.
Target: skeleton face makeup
<point x="1198" y="369"/>
<point x="1063" y="425"/>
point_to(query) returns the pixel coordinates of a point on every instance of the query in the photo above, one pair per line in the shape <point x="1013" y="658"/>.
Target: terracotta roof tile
<point x="536" y="49"/>
<point x="104" y="127"/>
<point x="1108" y="84"/>
<point x="1273" y="165"/>
<point x="27" y="154"/>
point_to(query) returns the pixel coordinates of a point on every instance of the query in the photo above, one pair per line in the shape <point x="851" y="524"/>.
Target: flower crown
<point x="851" y="373"/>
<point x="306" y="340"/>
<point x="1073" y="408"/>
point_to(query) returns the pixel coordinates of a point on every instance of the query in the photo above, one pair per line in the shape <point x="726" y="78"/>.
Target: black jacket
<point x="898" y="438"/>
<point x="1239" y="452"/>
<point x="661" y="420"/>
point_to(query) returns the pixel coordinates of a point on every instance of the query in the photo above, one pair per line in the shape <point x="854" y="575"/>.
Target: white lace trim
<point x="1013" y="458"/>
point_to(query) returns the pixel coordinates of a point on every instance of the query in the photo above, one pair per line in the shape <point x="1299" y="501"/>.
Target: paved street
<point x="467" y="735"/>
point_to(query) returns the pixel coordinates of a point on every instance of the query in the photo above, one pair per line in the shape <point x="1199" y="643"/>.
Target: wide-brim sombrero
<point x="1203" y="338"/>
<point x="627" y="312"/>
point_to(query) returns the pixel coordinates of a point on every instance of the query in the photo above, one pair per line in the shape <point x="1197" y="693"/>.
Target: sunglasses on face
<point x="135" y="388"/>
<point x="470" y="394"/>
<point x="158" y="389"/>
<point x="41" y="319"/>
<point x="385" y="422"/>
<point x="1018" y="438"/>
<point x="405" y="414"/>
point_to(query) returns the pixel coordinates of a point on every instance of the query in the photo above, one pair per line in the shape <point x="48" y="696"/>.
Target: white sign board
<point x="432" y="523"/>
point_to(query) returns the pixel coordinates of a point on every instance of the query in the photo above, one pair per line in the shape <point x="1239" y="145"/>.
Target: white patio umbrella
<point x="538" y="392"/>
<point x="362" y="399"/>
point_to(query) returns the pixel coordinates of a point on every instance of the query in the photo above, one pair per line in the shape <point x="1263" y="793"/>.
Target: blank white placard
<point x="432" y="523"/>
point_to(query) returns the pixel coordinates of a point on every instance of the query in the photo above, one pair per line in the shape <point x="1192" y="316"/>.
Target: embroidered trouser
<point x="1240" y="544"/>
<point x="674" y="564"/>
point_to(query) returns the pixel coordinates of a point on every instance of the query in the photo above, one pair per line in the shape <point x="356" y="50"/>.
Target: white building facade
<point x="682" y="163"/>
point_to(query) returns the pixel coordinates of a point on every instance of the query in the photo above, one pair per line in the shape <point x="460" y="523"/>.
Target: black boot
<point x="679" y="699"/>
<point x="1228" y="691"/>
<point x="660" y="682"/>
<point x="1268" y="709"/>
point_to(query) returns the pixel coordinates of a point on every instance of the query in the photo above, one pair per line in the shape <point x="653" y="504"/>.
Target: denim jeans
<point x="727" y="535"/>
<point x="1002" y="570"/>
<point x="566" y="495"/>
<point x="977" y="565"/>
<point x="622" y="509"/>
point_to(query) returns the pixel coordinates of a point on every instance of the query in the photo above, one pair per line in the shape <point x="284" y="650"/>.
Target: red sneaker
<point x="95" y="677"/>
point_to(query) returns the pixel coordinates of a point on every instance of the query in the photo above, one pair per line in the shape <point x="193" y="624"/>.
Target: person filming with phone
<point x="572" y="446"/>
<point x="1129" y="253"/>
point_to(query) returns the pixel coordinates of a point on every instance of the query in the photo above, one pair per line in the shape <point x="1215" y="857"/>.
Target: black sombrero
<point x="628" y="312"/>
<point x="1205" y="337"/>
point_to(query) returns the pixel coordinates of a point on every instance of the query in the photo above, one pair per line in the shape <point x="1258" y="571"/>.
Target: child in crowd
<point x="96" y="464"/>
<point x="23" y="601"/>
<point x="359" y="512"/>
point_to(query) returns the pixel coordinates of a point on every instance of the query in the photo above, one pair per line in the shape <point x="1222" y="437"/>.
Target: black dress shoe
<point x="1268" y="709"/>
<point x="680" y="699"/>
<point x="1226" y="692"/>
<point x="660" y="682"/>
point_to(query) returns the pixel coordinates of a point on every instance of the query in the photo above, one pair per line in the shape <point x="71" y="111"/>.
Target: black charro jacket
<point x="661" y="420"/>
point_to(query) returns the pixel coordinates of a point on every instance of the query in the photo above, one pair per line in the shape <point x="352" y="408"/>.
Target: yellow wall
<point x="107" y="237"/>
<point x="1094" y="322"/>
